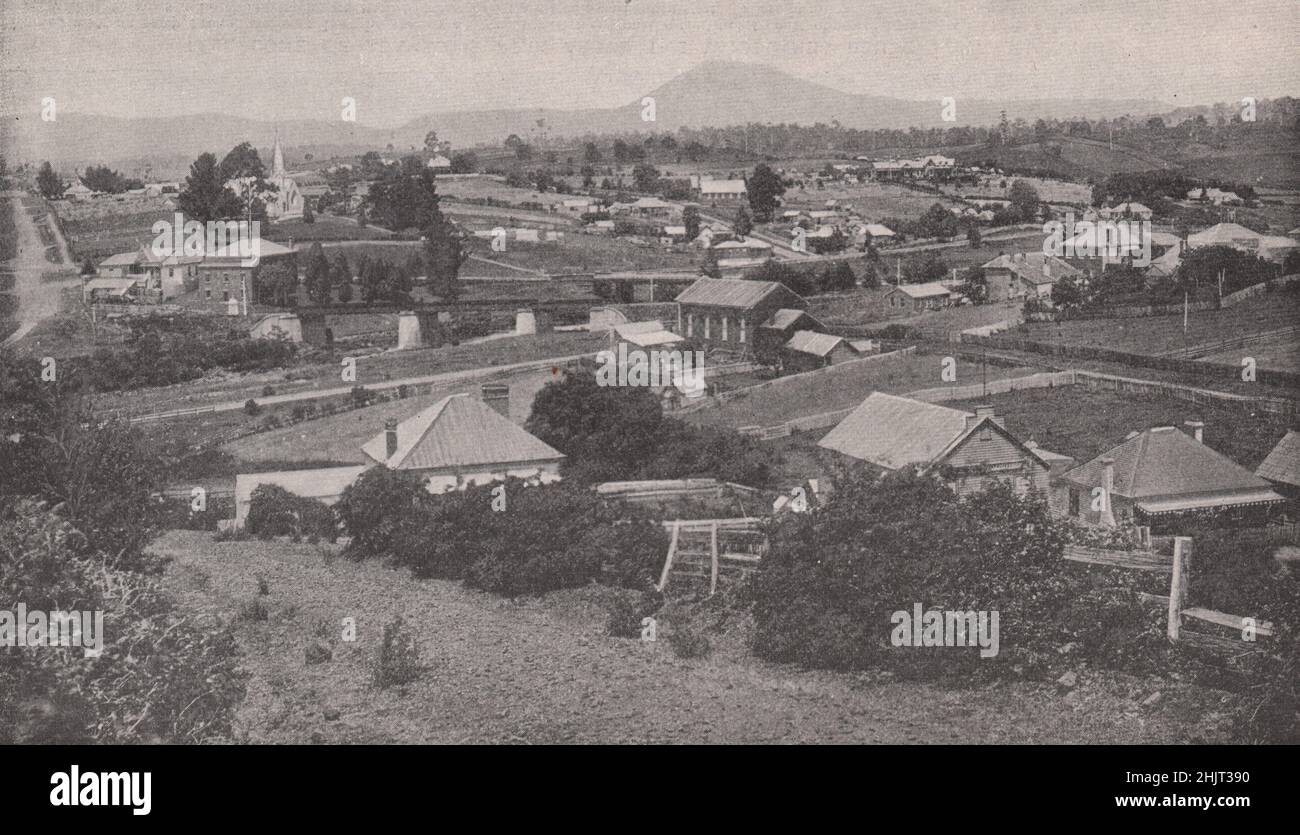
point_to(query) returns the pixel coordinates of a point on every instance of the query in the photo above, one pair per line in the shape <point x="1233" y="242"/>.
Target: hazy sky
<point x="277" y="60"/>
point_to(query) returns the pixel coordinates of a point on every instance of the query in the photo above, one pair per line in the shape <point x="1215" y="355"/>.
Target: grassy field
<point x="866" y="308"/>
<point x="1280" y="352"/>
<point x="1080" y="423"/>
<point x="376" y="368"/>
<point x="539" y="670"/>
<point x="843" y="387"/>
<point x="579" y="253"/>
<point x="1155" y="334"/>
<point x="480" y="188"/>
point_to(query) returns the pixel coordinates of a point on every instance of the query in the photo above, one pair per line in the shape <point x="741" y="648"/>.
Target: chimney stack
<point x="497" y="395"/>
<point x="390" y="438"/>
<point x="1198" y="430"/>
<point x="1108" y="488"/>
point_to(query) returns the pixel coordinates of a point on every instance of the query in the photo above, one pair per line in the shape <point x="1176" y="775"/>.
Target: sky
<point x="275" y="60"/>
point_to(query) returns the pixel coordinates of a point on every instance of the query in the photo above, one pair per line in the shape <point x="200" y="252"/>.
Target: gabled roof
<point x="649" y="339"/>
<point x="787" y="316"/>
<point x="458" y="431"/>
<point x="723" y="186"/>
<point x="747" y="243"/>
<point x="1223" y="233"/>
<point x="1029" y="266"/>
<point x="817" y="344"/>
<point x="892" y="432"/>
<point x="1164" y="462"/>
<point x="121" y="259"/>
<point x="733" y="292"/>
<point x="926" y="290"/>
<point x="1283" y="463"/>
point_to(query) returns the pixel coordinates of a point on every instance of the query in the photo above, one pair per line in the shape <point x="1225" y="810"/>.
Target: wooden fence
<point x="1085" y="352"/>
<point x="1178" y="567"/>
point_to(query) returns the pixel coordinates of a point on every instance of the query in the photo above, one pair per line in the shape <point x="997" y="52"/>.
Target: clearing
<point x="539" y="670"/>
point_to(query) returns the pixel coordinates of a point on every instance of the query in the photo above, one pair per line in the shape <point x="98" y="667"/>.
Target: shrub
<point x="251" y="408"/>
<point x="398" y="661"/>
<point x="274" y="511"/>
<point x="627" y="610"/>
<point x="688" y="640"/>
<point x="253" y="611"/>
<point x="378" y="506"/>
<point x="317" y="653"/>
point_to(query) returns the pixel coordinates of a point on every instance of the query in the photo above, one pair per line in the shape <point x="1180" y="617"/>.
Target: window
<point x="706" y="326"/>
<point x="742" y="330"/>
<point x="225" y="295"/>
<point x="724" y="328"/>
<point x="690" y="324"/>
<point x="207" y="294"/>
<point x="1074" y="502"/>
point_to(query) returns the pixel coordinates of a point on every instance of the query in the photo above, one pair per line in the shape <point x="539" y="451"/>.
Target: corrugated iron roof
<point x="1163" y="462"/>
<point x="785" y="317"/>
<point x="1283" y="463"/>
<point x="458" y="431"/>
<point x="892" y="432"/>
<point x="731" y="292"/>
<point x="812" y="342"/>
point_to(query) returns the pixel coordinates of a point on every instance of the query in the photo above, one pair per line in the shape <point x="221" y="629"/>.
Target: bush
<point x="378" y="506"/>
<point x="274" y="511"/>
<point x="398" y="661"/>
<point x="317" y="653"/>
<point x="687" y="640"/>
<point x="253" y="611"/>
<point x="251" y="408"/>
<point x="158" y="678"/>
<point x="627" y="610"/>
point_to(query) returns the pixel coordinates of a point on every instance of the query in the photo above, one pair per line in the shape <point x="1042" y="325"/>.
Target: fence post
<point x="1178" y="583"/>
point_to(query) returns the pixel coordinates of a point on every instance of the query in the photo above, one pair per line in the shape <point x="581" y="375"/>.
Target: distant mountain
<point x="715" y="94"/>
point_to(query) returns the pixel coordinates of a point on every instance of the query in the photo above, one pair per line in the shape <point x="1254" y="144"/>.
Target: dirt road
<point x="37" y="299"/>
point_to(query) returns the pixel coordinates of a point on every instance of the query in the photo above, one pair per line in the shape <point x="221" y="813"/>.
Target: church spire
<point x="277" y="158"/>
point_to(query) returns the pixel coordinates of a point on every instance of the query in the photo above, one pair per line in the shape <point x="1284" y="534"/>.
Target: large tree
<point x="49" y="183"/>
<point x="764" y="187"/>
<point x="319" y="280"/>
<point x="204" y="196"/>
<point x="445" y="251"/>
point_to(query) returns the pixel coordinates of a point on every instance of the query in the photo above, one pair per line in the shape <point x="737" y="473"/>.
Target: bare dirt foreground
<point x="542" y="671"/>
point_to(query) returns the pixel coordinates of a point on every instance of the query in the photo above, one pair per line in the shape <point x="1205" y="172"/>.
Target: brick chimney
<point x="390" y="438"/>
<point x="1108" y="486"/>
<point x="1198" y="430"/>
<point x="497" y="395"/>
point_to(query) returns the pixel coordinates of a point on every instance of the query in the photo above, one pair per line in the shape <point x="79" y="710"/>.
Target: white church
<point x="284" y="204"/>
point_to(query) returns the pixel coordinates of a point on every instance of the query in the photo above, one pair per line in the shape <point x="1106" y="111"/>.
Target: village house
<point x="439" y="164"/>
<point x="931" y="166"/>
<point x="970" y="451"/>
<point x="578" y="206"/>
<point x="905" y="299"/>
<point x="722" y="191"/>
<point x="1135" y="211"/>
<point x="643" y="335"/>
<point x="1025" y="275"/>
<point x="1269" y="247"/>
<point x="724" y="312"/>
<point x="1163" y="477"/>
<point x="739" y="254"/>
<point x="1215" y="196"/>
<point x="810" y="350"/>
<point x="462" y="441"/>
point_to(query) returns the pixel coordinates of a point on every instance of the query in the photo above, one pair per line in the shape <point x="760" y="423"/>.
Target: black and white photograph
<point x="650" y="372"/>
